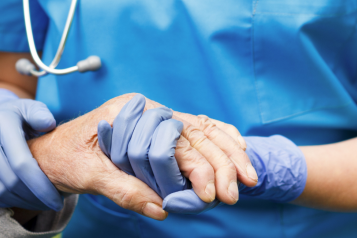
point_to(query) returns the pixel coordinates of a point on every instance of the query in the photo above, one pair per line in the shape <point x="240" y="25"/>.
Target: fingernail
<point x="211" y="191"/>
<point x="233" y="190"/>
<point x="252" y="174"/>
<point x="154" y="211"/>
<point x="242" y="142"/>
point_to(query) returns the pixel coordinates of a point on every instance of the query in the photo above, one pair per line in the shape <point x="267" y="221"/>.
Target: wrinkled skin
<point x="210" y="157"/>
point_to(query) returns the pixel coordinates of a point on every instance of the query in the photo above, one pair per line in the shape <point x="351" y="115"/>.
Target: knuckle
<point x="224" y="163"/>
<point x="207" y="126"/>
<point x="194" y="135"/>
<point x="183" y="144"/>
<point x="126" y="200"/>
<point x="203" y="174"/>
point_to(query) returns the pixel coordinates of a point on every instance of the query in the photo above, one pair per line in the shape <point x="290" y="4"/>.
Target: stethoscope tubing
<point x="24" y="66"/>
<point x="51" y="68"/>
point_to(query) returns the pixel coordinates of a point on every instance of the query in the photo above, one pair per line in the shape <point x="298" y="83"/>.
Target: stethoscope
<point x="24" y="66"/>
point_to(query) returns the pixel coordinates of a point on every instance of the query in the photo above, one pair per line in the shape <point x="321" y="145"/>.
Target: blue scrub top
<point x="268" y="67"/>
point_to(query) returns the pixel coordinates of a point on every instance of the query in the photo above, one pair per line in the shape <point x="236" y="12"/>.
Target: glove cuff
<point x="7" y="95"/>
<point x="281" y="168"/>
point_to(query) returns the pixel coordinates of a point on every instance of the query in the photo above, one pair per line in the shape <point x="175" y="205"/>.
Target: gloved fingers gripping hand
<point x="197" y="169"/>
<point x="20" y="120"/>
<point x="139" y="145"/>
<point x="162" y="159"/>
<point x="116" y="146"/>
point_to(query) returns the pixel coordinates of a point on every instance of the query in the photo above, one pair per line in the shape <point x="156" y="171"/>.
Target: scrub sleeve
<point x="46" y="225"/>
<point x="13" y="39"/>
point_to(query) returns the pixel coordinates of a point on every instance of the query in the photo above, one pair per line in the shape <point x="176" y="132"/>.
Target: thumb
<point x="187" y="202"/>
<point x="37" y="115"/>
<point x="130" y="193"/>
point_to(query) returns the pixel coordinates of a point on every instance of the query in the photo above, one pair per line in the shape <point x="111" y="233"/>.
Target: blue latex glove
<point x="147" y="149"/>
<point x="22" y="182"/>
<point x="281" y="169"/>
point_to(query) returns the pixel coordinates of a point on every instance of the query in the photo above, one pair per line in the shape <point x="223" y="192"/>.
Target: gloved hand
<point x="143" y="145"/>
<point x="22" y="182"/>
<point x="281" y="169"/>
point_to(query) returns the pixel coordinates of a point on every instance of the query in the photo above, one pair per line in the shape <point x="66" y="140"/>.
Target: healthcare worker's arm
<point x="13" y="192"/>
<point x="331" y="180"/>
<point x="23" y="86"/>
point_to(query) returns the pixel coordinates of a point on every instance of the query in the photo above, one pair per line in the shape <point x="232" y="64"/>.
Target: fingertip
<point x="103" y="125"/>
<point x="37" y="115"/>
<point x="227" y="189"/>
<point x="154" y="211"/>
<point x="57" y="206"/>
<point x="187" y="202"/>
<point x="138" y="96"/>
<point x="242" y="143"/>
<point x="233" y="192"/>
<point x="252" y="174"/>
<point x="138" y="99"/>
<point x="203" y="183"/>
<point x="210" y="191"/>
<point x="42" y="120"/>
<point x="179" y="125"/>
<point x="171" y="125"/>
<point x="132" y="109"/>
